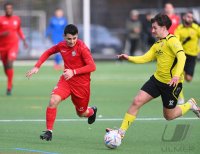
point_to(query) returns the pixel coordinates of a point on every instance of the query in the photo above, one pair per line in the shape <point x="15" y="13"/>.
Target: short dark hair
<point x="71" y="29"/>
<point x="162" y="20"/>
<point x="6" y="4"/>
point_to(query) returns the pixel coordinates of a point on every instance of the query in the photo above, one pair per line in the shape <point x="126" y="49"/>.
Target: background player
<point x="175" y="19"/>
<point x="166" y="81"/>
<point x="188" y="33"/>
<point x="55" y="29"/>
<point x="75" y="80"/>
<point x="10" y="31"/>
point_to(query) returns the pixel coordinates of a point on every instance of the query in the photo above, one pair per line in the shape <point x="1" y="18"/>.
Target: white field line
<point x="107" y="119"/>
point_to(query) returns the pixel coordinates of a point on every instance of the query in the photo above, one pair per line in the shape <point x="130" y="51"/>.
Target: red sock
<point x="90" y="113"/>
<point x="50" y="117"/>
<point x="9" y="73"/>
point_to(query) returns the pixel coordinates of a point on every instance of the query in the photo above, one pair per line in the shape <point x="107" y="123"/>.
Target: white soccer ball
<point x="112" y="139"/>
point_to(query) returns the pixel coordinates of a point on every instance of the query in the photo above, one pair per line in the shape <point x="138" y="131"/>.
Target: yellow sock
<point x="128" y="120"/>
<point x="185" y="107"/>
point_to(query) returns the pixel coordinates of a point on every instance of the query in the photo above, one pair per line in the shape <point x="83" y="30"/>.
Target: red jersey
<point x="77" y="58"/>
<point x="12" y="25"/>
<point x="175" y="22"/>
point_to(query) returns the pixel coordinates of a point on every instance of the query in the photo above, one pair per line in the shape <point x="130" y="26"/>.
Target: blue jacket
<point x="55" y="29"/>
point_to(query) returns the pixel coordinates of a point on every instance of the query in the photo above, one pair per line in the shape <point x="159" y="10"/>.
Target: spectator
<point x="169" y="10"/>
<point x="55" y="30"/>
<point x="134" y="27"/>
<point x="147" y="36"/>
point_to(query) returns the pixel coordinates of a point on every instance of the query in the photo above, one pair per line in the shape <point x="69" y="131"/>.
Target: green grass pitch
<point x="113" y="86"/>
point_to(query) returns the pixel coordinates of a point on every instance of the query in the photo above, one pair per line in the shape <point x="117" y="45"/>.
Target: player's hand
<point x="68" y="73"/>
<point x="34" y="70"/>
<point x="122" y="57"/>
<point x="174" y="81"/>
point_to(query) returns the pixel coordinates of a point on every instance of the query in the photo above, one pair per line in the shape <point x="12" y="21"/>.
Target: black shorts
<point x="190" y="64"/>
<point x="169" y="94"/>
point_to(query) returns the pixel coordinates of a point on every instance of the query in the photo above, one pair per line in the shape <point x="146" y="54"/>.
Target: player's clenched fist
<point x="68" y="73"/>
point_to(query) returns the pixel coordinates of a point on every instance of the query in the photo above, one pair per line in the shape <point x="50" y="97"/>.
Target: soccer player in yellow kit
<point x="188" y="33"/>
<point x="167" y="79"/>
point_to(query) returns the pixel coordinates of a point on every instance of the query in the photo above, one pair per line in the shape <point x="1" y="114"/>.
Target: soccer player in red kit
<point x="10" y="31"/>
<point x="169" y="11"/>
<point x="74" y="82"/>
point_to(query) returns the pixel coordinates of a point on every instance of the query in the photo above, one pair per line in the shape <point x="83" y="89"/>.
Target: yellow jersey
<point x="189" y="37"/>
<point x="170" y="57"/>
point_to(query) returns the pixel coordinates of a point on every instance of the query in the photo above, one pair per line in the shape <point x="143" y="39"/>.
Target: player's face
<point x="71" y="39"/>
<point x="188" y="18"/>
<point x="9" y="10"/>
<point x="157" y="30"/>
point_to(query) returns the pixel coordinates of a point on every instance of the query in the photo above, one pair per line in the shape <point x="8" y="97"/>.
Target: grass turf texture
<point x="113" y="87"/>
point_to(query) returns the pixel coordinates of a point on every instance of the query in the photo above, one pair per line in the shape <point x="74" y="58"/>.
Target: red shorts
<point x="80" y="95"/>
<point x="9" y="53"/>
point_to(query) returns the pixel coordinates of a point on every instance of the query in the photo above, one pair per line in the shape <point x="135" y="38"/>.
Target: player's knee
<point x="80" y="114"/>
<point x="137" y="102"/>
<point x="168" y="117"/>
<point x="9" y="64"/>
<point x="54" y="101"/>
<point x="188" y="78"/>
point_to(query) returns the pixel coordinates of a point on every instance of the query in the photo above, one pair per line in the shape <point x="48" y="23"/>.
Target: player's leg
<point x="190" y="67"/>
<point x="8" y="67"/>
<point x="169" y="95"/>
<point x="181" y="99"/>
<point x="171" y="110"/>
<point x="59" y="93"/>
<point x="51" y="112"/>
<point x="188" y="74"/>
<point x="80" y="97"/>
<point x="141" y="99"/>
<point x="86" y="111"/>
<point x="180" y="110"/>
<point x="147" y="93"/>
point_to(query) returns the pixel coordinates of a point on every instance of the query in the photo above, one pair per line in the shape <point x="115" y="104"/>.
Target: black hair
<point x="162" y="20"/>
<point x="6" y="4"/>
<point x="71" y="29"/>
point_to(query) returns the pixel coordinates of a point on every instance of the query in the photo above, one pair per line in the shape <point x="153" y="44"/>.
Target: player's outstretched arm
<point x="122" y="57"/>
<point x="34" y="70"/>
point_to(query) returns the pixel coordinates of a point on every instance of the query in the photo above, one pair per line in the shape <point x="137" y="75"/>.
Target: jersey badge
<point x="15" y="22"/>
<point x="73" y="53"/>
<point x="159" y="52"/>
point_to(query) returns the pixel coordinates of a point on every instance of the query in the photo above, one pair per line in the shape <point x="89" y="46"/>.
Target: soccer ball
<point x="112" y="139"/>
